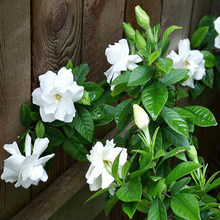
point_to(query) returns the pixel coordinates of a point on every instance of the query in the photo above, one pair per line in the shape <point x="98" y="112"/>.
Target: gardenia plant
<point x="151" y="166"/>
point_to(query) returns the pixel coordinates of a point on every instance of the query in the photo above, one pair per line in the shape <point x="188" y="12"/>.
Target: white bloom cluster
<point x="56" y="95"/>
<point x="118" y="56"/>
<point x="217" y="28"/>
<point x="101" y="159"/>
<point x="188" y="59"/>
<point x="28" y="169"/>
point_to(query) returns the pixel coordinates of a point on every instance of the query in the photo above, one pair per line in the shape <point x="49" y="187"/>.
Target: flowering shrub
<point x="66" y="109"/>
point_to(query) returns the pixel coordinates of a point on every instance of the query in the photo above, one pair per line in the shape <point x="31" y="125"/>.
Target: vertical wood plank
<point x="153" y="9"/>
<point x="15" y="88"/>
<point x="102" y="25"/>
<point x="200" y="8"/>
<point x="215" y="7"/>
<point x="56" y="37"/>
<point x="176" y="12"/>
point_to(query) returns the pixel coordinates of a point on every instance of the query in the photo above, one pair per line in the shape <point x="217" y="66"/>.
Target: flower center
<point x="186" y="63"/>
<point x="57" y="97"/>
<point x="108" y="165"/>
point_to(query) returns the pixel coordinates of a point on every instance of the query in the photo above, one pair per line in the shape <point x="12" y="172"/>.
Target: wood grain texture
<point x="200" y="8"/>
<point x="15" y="89"/>
<point x="102" y="25"/>
<point x="215" y="7"/>
<point x="176" y="12"/>
<point x="56" y="38"/>
<point x="153" y="9"/>
<point x="55" y="196"/>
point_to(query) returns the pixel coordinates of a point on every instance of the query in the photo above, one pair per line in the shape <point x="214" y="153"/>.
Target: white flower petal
<point x="12" y="148"/>
<point x="46" y="117"/>
<point x="124" y="48"/>
<point x="69" y="118"/>
<point x="36" y="95"/>
<point x="77" y="92"/>
<point x="14" y="162"/>
<point x="107" y="179"/>
<point x="25" y="173"/>
<point x="47" y="80"/>
<point x="97" y="184"/>
<point x="61" y="111"/>
<point x="217" y="42"/>
<point x="184" y="47"/>
<point x="44" y="177"/>
<point x="40" y="145"/>
<point x="27" y="145"/>
<point x="43" y="160"/>
<point x="64" y="78"/>
<point x="37" y="172"/>
<point x="9" y="175"/>
<point x="217" y="25"/>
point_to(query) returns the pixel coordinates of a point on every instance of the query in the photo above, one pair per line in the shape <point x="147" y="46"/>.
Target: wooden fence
<point x="41" y="35"/>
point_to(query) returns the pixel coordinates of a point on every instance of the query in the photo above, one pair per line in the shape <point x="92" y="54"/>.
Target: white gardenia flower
<point x="217" y="28"/>
<point x="118" y="56"/>
<point x="101" y="159"/>
<point x="56" y="95"/>
<point x="188" y="59"/>
<point x="28" y="169"/>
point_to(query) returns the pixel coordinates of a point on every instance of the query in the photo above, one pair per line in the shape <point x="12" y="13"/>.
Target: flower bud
<point x="129" y="31"/>
<point x="140" y="117"/>
<point x="142" y="18"/>
<point x="192" y="154"/>
<point x="140" y="41"/>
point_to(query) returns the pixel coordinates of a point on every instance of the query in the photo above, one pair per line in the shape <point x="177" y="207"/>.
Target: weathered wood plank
<point x="200" y="8"/>
<point x="101" y="26"/>
<point x="15" y="89"/>
<point x="176" y="12"/>
<point x="153" y="9"/>
<point x="215" y="7"/>
<point x="56" y="37"/>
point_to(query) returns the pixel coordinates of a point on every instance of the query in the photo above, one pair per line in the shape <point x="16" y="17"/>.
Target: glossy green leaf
<point x="40" y="129"/>
<point x="35" y="116"/>
<point x="208" y="79"/>
<point x="185" y="206"/>
<point x="152" y="57"/>
<point x="186" y="115"/>
<point x="129" y="208"/>
<point x="157" y="210"/>
<point x="198" y="90"/>
<point x="174" y="76"/>
<point x="75" y="149"/>
<point x="175" y="121"/>
<point x="100" y="192"/>
<point x="25" y="115"/>
<point x="55" y="136"/>
<point x="115" y="167"/>
<point x="203" y="117"/>
<point x="122" y="78"/>
<point x="143" y="206"/>
<point x="179" y="185"/>
<point x="213" y="185"/>
<point x="80" y="73"/>
<point x="154" y="97"/>
<point x="84" y="123"/>
<point x="140" y="75"/>
<point x="118" y="89"/>
<point x="164" y="64"/>
<point x="181" y="170"/>
<point x="85" y="100"/>
<point x="198" y="36"/>
<point x="168" y="32"/>
<point x="94" y="90"/>
<point x="209" y="58"/>
<point x="130" y="191"/>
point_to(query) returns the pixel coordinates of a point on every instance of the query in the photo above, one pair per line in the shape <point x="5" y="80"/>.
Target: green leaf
<point x="157" y="187"/>
<point x="185" y="206"/>
<point x="186" y="115"/>
<point x="164" y="64"/>
<point x="165" y="47"/>
<point x="179" y="185"/>
<point x="213" y="185"/>
<point x="40" y="129"/>
<point x="203" y="117"/>
<point x="85" y="100"/>
<point x="69" y="65"/>
<point x="198" y="36"/>
<point x="209" y="58"/>
<point x="208" y="78"/>
<point x="129" y="208"/>
<point x="175" y="121"/>
<point x="84" y="123"/>
<point x="115" y="166"/>
<point x="123" y="78"/>
<point x="138" y="173"/>
<point x="100" y="192"/>
<point x="154" y="97"/>
<point x="152" y="57"/>
<point x="103" y="114"/>
<point x="143" y="206"/>
<point x="181" y="93"/>
<point x="130" y="191"/>
<point x="35" y="116"/>
<point x="197" y="91"/>
<point x="217" y="62"/>
<point x="174" y="138"/>
<point x="181" y="170"/>
<point x="68" y="131"/>
<point x="119" y="89"/>
<point x="55" y="136"/>
<point x="168" y="32"/>
<point x="74" y="148"/>
<point x="110" y="204"/>
<point x="174" y="76"/>
<point x="94" y="90"/>
<point x="141" y="75"/>
<point x="157" y="210"/>
<point x="25" y="115"/>
<point x="80" y="73"/>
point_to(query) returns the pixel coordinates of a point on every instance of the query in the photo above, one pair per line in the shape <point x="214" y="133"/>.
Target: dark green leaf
<point x="123" y="78"/>
<point x="198" y="36"/>
<point x="35" y="116"/>
<point x="68" y="131"/>
<point x="199" y="88"/>
<point x="208" y="79"/>
<point x="209" y="58"/>
<point x="180" y="184"/>
<point x="25" y="115"/>
<point x="80" y="73"/>
<point x="40" y="129"/>
<point x="154" y="97"/>
<point x="168" y="32"/>
<point x="110" y="204"/>
<point x="164" y="64"/>
<point x="129" y="208"/>
<point x="94" y="90"/>
<point x="55" y="136"/>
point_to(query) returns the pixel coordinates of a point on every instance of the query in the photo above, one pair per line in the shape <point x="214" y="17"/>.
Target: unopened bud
<point x="140" y="41"/>
<point x="129" y="31"/>
<point x="192" y="154"/>
<point x="142" y="18"/>
<point x="140" y="117"/>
